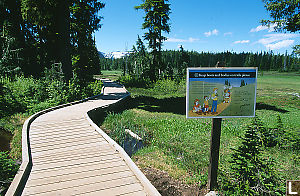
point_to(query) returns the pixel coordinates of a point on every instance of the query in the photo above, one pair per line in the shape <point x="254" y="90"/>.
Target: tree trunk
<point x="64" y="45"/>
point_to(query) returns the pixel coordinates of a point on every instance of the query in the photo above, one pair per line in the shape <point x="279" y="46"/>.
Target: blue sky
<point x="199" y="25"/>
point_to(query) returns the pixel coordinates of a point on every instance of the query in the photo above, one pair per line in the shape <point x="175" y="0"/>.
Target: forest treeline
<point x="175" y="62"/>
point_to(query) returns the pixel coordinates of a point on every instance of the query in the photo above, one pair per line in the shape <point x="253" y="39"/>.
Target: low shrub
<point x="94" y="88"/>
<point x="169" y="86"/>
<point x="130" y="81"/>
<point x="20" y="93"/>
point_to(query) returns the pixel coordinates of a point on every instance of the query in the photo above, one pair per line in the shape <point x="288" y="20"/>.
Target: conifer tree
<point x="156" y="21"/>
<point x="285" y="14"/>
<point x="141" y="58"/>
<point x="84" y="22"/>
<point x="50" y="25"/>
<point x="252" y="173"/>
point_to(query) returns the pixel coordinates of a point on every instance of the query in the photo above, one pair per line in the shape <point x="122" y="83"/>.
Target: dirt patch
<point x="168" y="186"/>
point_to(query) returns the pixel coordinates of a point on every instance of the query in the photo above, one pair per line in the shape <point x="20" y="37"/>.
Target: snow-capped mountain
<point x="114" y="55"/>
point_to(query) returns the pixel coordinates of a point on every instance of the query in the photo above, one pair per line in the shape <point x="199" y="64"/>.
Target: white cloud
<point x="210" y="33"/>
<point x="241" y="42"/>
<point x="228" y="34"/>
<point x="190" y="40"/>
<point x="277" y="41"/>
<point x="259" y="28"/>
<point x="281" y="44"/>
<point x="170" y="39"/>
<point x="270" y="28"/>
<point x="270" y="38"/>
<point x="193" y="39"/>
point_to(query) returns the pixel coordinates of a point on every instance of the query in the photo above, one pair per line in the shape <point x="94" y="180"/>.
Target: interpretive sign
<point x="221" y="92"/>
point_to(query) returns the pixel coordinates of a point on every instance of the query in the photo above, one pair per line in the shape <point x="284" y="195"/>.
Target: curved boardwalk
<point x="69" y="157"/>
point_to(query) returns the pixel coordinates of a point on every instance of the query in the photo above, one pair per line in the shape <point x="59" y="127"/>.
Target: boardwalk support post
<point x="214" y="153"/>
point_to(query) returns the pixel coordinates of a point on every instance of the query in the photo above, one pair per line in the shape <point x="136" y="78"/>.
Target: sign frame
<point x="209" y="76"/>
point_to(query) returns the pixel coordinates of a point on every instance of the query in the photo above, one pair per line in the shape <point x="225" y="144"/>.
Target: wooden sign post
<point x="214" y="153"/>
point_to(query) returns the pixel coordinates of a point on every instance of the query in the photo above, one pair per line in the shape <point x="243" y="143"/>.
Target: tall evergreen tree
<point x="141" y="64"/>
<point x="156" y="21"/>
<point x="50" y="26"/>
<point x="184" y="61"/>
<point x="84" y="22"/>
<point x="62" y="30"/>
<point x="11" y="37"/>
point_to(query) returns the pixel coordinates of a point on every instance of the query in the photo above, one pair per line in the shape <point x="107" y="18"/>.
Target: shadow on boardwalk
<point x="113" y="96"/>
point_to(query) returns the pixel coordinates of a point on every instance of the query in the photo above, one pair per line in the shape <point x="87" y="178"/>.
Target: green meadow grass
<point x="112" y="75"/>
<point x="180" y="146"/>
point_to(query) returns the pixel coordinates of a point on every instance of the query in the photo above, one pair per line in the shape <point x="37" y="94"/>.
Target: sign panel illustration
<point x="221" y="92"/>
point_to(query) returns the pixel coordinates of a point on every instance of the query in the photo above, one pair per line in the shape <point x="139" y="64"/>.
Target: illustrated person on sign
<point x="205" y="104"/>
<point x="197" y="106"/>
<point x="214" y="97"/>
<point x="226" y="95"/>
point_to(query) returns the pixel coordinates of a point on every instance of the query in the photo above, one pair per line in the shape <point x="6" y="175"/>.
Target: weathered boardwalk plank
<point x="69" y="157"/>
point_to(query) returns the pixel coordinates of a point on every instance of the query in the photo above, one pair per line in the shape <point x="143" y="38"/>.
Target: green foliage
<point x="285" y="14"/>
<point x="250" y="172"/>
<point x="279" y="132"/>
<point x="286" y="138"/>
<point x="162" y="88"/>
<point x="11" y="46"/>
<point x="21" y="93"/>
<point x="168" y="86"/>
<point x="9" y="59"/>
<point x="186" y="141"/>
<point x="266" y="136"/>
<point x="26" y="94"/>
<point x="94" y="88"/>
<point x="132" y="81"/>
<point x="8" y="103"/>
<point x="8" y="169"/>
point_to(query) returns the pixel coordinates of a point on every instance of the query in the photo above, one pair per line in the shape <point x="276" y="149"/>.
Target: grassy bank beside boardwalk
<point x="180" y="146"/>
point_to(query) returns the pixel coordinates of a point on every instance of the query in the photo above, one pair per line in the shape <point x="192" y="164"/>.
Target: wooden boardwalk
<point x="72" y="157"/>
